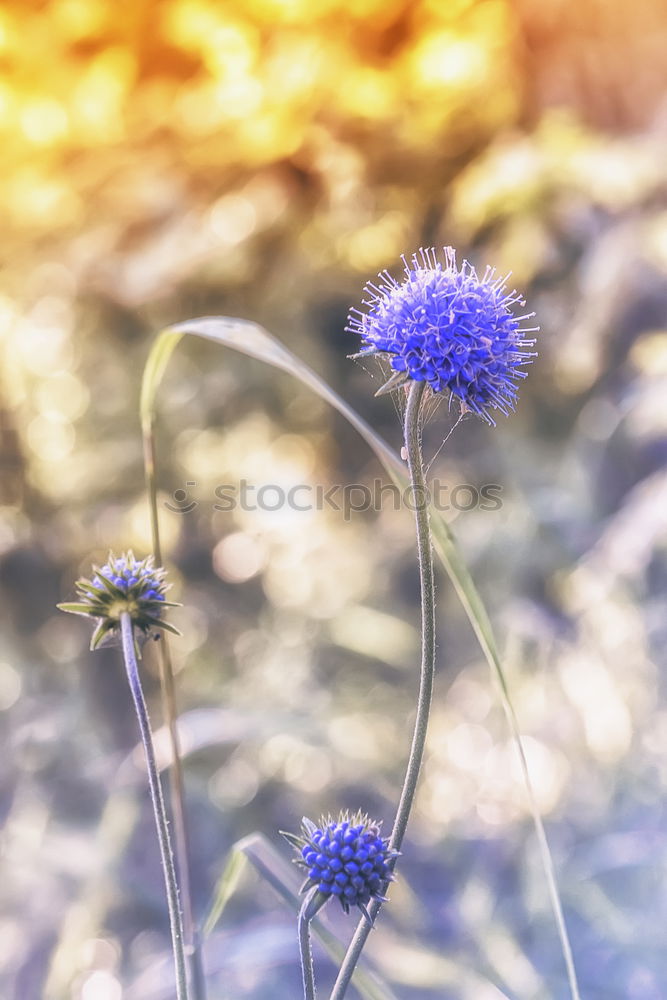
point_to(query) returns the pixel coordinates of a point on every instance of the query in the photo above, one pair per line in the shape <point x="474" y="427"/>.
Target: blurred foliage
<point x="169" y="159"/>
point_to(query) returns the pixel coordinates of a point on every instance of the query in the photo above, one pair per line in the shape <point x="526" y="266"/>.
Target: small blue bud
<point x="346" y="858"/>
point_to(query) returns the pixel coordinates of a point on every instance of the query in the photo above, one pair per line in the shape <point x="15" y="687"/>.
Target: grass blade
<point x="225" y="888"/>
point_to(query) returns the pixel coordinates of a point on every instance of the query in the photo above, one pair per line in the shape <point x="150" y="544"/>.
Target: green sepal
<point x="75" y="609"/>
<point x="395" y="382"/>
<point x="316" y="902"/>
<point x="369" y="352"/>
<point x="101" y="632"/>
<point x="308" y="826"/>
<point x="293" y="840"/>
<point x="167" y="626"/>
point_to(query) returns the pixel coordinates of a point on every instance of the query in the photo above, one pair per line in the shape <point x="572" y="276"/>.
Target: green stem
<point x="425" y="556"/>
<point x="193" y="948"/>
<point x="166" y="856"/>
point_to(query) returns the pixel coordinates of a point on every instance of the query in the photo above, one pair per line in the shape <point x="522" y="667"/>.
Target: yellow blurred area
<point x="138" y="150"/>
<point x="262" y="73"/>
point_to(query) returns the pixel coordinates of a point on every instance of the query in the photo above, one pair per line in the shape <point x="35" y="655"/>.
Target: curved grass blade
<point x="255" y="342"/>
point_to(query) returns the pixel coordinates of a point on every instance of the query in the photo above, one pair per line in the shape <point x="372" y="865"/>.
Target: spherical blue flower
<point x="346" y="858"/>
<point x="123" y="584"/>
<point x="449" y="328"/>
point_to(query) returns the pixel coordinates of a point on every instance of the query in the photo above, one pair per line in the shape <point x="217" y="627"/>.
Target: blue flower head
<point x="123" y="584"/>
<point x="450" y="328"/>
<point x="346" y="858"/>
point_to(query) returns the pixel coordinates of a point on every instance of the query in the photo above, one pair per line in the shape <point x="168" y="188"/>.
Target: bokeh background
<point x="163" y="160"/>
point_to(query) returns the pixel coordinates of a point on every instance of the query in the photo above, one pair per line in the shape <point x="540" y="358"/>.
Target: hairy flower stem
<point x="308" y="910"/>
<point x="425" y="556"/>
<point x="166" y="856"/>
